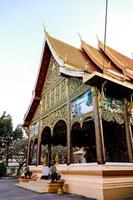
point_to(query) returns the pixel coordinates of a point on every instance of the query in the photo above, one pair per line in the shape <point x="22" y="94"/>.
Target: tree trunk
<point x="7" y="154"/>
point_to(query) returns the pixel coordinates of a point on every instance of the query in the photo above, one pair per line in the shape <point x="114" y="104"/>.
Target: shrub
<point x="2" y="169"/>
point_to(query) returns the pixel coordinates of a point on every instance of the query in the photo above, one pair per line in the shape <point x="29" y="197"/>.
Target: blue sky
<point x="22" y="38"/>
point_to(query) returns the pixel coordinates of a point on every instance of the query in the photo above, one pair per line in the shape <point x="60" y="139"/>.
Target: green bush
<point x="2" y="169"/>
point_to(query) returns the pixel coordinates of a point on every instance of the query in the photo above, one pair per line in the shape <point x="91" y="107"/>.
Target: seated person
<point x="53" y="174"/>
<point x="45" y="172"/>
<point x="27" y="173"/>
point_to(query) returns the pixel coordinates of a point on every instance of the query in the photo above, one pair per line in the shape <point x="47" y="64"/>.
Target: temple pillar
<point x="131" y="133"/>
<point x="28" y="151"/>
<point x="128" y="132"/>
<point x="100" y="152"/>
<point x="69" y="140"/>
<point x="38" y="153"/>
<point x="38" y="158"/>
<point x="49" y="154"/>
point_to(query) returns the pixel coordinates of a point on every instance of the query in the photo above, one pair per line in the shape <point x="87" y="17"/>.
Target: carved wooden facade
<point x="53" y="106"/>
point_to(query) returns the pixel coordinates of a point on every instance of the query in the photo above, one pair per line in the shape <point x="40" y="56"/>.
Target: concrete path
<point x="8" y="191"/>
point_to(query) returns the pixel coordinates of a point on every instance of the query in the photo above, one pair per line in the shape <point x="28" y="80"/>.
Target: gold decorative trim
<point x="50" y="119"/>
<point x="119" y="118"/>
<point x="107" y="115"/>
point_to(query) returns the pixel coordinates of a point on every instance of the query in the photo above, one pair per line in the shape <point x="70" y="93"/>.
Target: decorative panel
<point x="53" y="117"/>
<point x="63" y="89"/>
<point x="52" y="75"/>
<point x="52" y="97"/>
<point x="48" y="100"/>
<point x="111" y="109"/>
<point x="54" y="90"/>
<point x="77" y="87"/>
<point x="44" y="104"/>
<point x="81" y="105"/>
<point x="57" y="94"/>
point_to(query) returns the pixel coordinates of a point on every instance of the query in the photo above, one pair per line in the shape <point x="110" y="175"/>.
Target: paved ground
<point x="8" y="191"/>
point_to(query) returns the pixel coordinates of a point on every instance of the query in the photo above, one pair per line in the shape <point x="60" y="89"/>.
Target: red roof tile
<point x="69" y="54"/>
<point x="103" y="62"/>
<point x="120" y="60"/>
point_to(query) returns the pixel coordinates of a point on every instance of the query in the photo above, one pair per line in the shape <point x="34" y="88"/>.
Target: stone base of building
<point x="111" y="181"/>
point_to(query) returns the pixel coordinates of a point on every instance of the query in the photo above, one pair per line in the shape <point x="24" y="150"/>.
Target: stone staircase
<point x="41" y="186"/>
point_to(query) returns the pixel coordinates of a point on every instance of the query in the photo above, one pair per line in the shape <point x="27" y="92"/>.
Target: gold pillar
<point x="100" y="152"/>
<point x="38" y="158"/>
<point x="69" y="141"/>
<point x="128" y="132"/>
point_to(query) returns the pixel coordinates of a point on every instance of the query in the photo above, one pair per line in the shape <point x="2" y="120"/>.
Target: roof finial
<point x="97" y="38"/>
<point x="99" y="42"/>
<point x="80" y="37"/>
<point x="44" y="28"/>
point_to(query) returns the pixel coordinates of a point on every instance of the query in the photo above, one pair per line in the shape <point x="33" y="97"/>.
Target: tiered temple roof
<point x="102" y="61"/>
<point x="121" y="61"/>
<point x="75" y="62"/>
<point x="69" y="55"/>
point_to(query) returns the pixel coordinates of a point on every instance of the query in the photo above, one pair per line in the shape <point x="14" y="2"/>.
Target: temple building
<point x="83" y="99"/>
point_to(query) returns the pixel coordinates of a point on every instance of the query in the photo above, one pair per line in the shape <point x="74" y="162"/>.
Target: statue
<point x="57" y="159"/>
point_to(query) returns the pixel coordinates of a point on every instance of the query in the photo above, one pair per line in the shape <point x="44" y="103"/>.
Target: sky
<point x="22" y="38"/>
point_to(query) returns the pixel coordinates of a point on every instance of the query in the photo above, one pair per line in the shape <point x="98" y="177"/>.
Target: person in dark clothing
<point x="28" y="173"/>
<point x="53" y="174"/>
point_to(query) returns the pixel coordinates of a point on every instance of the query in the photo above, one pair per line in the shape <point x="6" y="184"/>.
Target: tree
<point x="7" y="136"/>
<point x="18" y="132"/>
<point x="19" y="150"/>
<point x="2" y="169"/>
